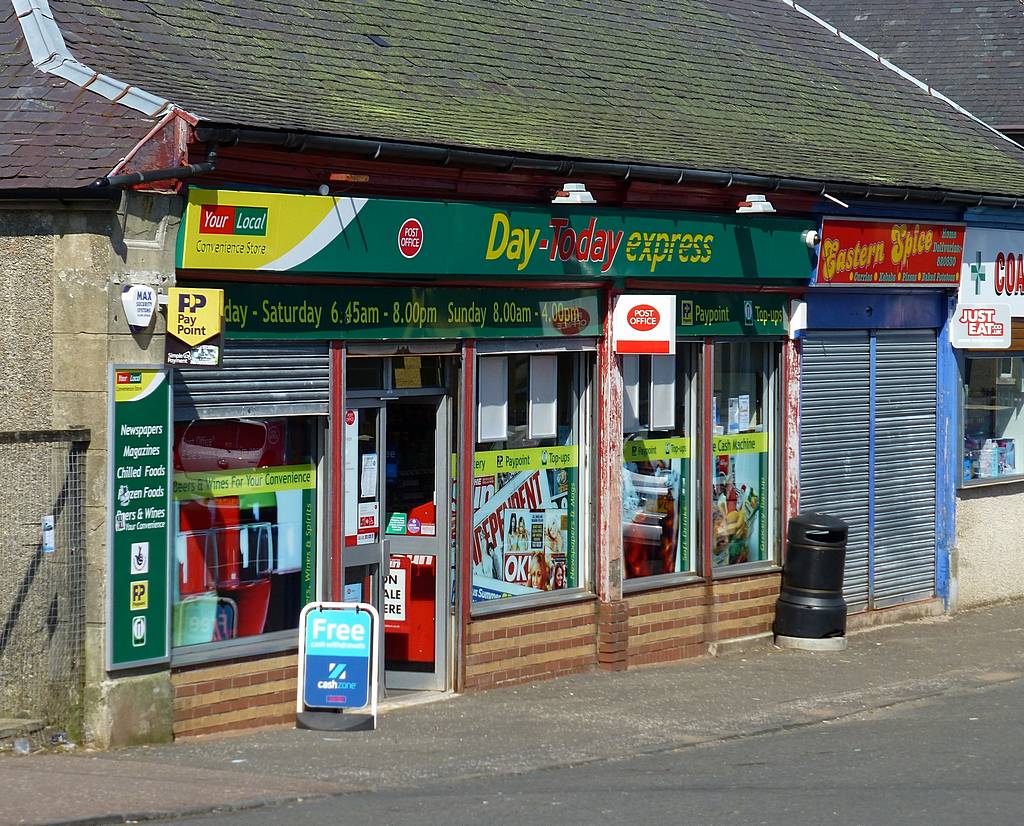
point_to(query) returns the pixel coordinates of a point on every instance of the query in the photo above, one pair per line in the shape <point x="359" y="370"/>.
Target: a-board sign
<point x="338" y="656"/>
<point x="139" y="508"/>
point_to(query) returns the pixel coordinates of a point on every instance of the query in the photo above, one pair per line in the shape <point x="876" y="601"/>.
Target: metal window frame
<point x="772" y="368"/>
<point x="585" y="425"/>
<point x="965" y="484"/>
<point x="276" y="641"/>
<point x="691" y="351"/>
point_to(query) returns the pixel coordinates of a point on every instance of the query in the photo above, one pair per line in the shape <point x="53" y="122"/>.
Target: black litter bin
<point x="811" y="603"/>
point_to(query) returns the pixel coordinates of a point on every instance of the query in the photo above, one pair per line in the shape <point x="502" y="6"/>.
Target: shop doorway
<point x="397" y="518"/>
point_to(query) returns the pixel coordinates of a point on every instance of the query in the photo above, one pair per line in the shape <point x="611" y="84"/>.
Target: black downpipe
<point x="189" y="171"/>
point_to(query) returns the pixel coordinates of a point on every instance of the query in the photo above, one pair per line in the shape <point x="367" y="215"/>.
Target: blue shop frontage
<point x="879" y="388"/>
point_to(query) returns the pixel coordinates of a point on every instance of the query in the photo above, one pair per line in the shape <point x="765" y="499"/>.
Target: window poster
<point x="656" y="506"/>
<point x="525" y="521"/>
<point x="739" y="520"/>
<point x="244" y="495"/>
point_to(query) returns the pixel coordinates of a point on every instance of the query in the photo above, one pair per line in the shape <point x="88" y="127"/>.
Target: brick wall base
<point x="529" y="645"/>
<point x="235" y="695"/>
<point x="674" y="623"/>
<point x="613" y="635"/>
<point x="655" y="626"/>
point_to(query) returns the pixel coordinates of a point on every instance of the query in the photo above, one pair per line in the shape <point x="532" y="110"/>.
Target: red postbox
<point x="410" y="608"/>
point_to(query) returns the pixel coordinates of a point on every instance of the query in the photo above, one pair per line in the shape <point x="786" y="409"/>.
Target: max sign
<point x="645" y="324"/>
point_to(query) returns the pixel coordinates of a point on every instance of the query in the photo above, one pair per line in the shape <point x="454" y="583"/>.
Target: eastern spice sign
<point x="230" y="230"/>
<point x="266" y="311"/>
<point x="137" y="587"/>
<point x="887" y="254"/>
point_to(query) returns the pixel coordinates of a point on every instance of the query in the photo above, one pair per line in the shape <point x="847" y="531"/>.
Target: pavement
<point x="586" y="718"/>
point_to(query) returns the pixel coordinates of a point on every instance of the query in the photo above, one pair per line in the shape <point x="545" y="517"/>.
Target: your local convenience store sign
<point x="231" y="230"/>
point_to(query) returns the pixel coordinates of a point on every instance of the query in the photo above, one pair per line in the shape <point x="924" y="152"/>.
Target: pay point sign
<point x="645" y="324"/>
<point x="338" y="656"/>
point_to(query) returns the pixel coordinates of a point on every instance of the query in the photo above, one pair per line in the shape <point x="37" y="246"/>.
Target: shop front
<point x="988" y="332"/>
<point x="702" y="475"/>
<point x="874" y="413"/>
<point x="410" y="409"/>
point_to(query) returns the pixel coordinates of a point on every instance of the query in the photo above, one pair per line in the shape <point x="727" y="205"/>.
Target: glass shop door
<point x="397" y="500"/>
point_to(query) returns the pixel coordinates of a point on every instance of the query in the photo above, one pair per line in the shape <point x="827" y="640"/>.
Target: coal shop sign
<point x="993" y="269"/>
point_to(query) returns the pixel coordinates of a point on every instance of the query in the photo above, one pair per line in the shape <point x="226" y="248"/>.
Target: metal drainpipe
<point x="189" y="171"/>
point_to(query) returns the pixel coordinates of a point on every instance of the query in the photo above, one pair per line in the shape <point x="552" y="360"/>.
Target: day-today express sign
<point x="277" y="232"/>
<point x="267" y="311"/>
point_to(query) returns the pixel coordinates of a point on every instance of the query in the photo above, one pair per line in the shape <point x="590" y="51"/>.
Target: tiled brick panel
<point x="677" y="622"/>
<point x="234" y="695"/>
<point x="529" y="645"/>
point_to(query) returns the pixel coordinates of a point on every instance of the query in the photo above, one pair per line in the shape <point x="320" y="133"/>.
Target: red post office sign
<point x="645" y="324"/>
<point x="889" y="254"/>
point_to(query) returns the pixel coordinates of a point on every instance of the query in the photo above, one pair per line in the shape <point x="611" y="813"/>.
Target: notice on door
<point x="395" y="592"/>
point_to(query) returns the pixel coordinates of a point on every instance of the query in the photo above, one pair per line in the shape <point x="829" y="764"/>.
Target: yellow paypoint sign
<point x="195" y="322"/>
<point x="194" y="316"/>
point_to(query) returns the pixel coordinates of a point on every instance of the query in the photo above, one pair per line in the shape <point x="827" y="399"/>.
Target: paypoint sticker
<point x="194" y="315"/>
<point x="140" y="595"/>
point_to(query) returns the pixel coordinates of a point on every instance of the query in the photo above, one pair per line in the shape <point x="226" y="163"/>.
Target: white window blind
<point x="492" y="399"/>
<point x="662" y="415"/>
<point x="631" y="394"/>
<point x="543" y="397"/>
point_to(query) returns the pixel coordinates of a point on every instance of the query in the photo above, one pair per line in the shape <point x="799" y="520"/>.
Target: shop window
<point x="244" y="527"/>
<point x="658" y="463"/>
<point x="416" y="372"/>
<point x="741" y="495"/>
<point x="364" y="374"/>
<point x="527" y="476"/>
<point x="993" y="417"/>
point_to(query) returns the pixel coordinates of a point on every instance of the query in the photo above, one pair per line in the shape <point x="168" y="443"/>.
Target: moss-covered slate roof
<point x="730" y="85"/>
<point x="971" y="51"/>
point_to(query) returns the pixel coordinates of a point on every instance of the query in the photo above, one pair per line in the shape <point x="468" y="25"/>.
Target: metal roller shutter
<point x="905" y="451"/>
<point x="835" y="384"/>
<point x="257" y="379"/>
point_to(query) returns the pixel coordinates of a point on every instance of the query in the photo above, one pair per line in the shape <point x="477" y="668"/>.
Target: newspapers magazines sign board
<point x="139" y="509"/>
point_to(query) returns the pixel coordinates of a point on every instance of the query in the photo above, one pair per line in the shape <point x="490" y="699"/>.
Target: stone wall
<point x="64" y="266"/>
